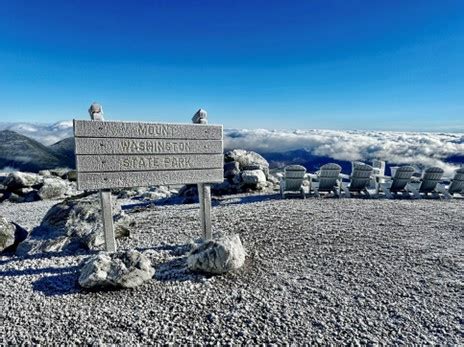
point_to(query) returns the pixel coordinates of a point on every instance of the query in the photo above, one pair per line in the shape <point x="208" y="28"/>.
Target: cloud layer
<point x="416" y="148"/>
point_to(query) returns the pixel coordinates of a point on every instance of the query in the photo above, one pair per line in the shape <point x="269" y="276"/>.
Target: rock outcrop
<point x="47" y="184"/>
<point x="118" y="270"/>
<point x="247" y="160"/>
<point x="218" y="256"/>
<point x="72" y="225"/>
<point x="11" y="235"/>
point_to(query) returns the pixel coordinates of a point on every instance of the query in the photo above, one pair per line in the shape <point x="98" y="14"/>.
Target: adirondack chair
<point x="327" y="179"/>
<point x="360" y="179"/>
<point x="428" y="183"/>
<point x="456" y="186"/>
<point x="379" y="167"/>
<point x="292" y="181"/>
<point x="398" y="183"/>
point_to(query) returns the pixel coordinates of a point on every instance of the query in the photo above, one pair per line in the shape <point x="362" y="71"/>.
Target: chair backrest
<point x="360" y="176"/>
<point x="379" y="167"/>
<point x="328" y="176"/>
<point x="431" y="177"/>
<point x="401" y="178"/>
<point x="457" y="185"/>
<point x="294" y="176"/>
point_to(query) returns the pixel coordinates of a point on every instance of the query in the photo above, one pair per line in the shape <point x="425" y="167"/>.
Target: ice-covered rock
<point x="7" y="234"/>
<point x="218" y="256"/>
<point x="18" y="179"/>
<point x="11" y="235"/>
<point x="52" y="188"/>
<point x="231" y="169"/>
<point x="121" y="270"/>
<point x="253" y="177"/>
<point x="74" y="224"/>
<point x="248" y="160"/>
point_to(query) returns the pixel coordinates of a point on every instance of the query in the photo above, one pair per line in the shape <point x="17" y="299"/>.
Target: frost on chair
<point x="292" y="182"/>
<point x="328" y="180"/>
<point x="360" y="179"/>
<point x="456" y="186"/>
<point x="428" y="183"/>
<point x="399" y="182"/>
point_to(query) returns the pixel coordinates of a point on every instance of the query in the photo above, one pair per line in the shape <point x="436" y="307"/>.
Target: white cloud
<point x="415" y="148"/>
<point x="46" y="134"/>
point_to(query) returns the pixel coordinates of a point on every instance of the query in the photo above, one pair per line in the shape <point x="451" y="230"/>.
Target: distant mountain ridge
<point x="311" y="148"/>
<point x="46" y="134"/>
<point x="22" y="153"/>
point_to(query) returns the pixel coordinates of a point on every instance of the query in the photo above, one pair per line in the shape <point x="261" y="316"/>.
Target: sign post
<point x="204" y="190"/>
<point x="135" y="154"/>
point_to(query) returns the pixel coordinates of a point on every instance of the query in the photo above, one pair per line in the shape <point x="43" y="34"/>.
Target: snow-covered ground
<point x="317" y="270"/>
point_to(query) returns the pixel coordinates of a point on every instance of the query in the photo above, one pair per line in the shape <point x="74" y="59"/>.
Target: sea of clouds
<point x="423" y="149"/>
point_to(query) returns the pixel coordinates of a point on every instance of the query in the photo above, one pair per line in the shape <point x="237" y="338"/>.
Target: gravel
<point x="317" y="270"/>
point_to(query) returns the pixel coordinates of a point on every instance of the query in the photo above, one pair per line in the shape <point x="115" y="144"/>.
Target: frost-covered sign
<point x="124" y="154"/>
<point x="135" y="154"/>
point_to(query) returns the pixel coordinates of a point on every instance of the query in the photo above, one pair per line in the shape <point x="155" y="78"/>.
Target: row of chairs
<point x="371" y="181"/>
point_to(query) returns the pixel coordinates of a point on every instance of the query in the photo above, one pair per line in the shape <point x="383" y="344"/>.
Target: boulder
<point x="72" y="175"/>
<point x="253" y="177"/>
<point x="45" y="173"/>
<point x="53" y="188"/>
<point x="7" y="234"/>
<point x="224" y="254"/>
<point x="17" y="180"/>
<point x="59" y="172"/>
<point x="231" y="169"/>
<point x="119" y="270"/>
<point x="72" y="225"/>
<point x="248" y="160"/>
<point x="11" y="234"/>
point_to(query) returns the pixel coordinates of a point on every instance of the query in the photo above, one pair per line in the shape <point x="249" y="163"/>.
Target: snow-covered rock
<point x="248" y="160"/>
<point x="224" y="254"/>
<point x="18" y="179"/>
<point x="74" y="224"/>
<point x="120" y="270"/>
<point x="253" y="177"/>
<point x="7" y="234"/>
<point x="11" y="235"/>
<point x="53" y="188"/>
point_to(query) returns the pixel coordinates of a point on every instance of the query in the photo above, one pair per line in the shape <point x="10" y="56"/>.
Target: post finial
<point x="200" y="117"/>
<point x="96" y="111"/>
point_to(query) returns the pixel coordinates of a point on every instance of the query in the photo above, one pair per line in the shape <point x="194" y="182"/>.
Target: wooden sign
<point x="135" y="154"/>
<point x="127" y="154"/>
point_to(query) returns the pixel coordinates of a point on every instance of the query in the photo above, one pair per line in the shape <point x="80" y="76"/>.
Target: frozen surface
<point x="320" y="270"/>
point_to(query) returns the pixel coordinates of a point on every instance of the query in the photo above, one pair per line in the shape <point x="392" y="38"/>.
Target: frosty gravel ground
<point x="319" y="270"/>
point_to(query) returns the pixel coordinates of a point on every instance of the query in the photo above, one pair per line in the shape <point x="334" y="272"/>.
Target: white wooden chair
<point x="455" y="187"/>
<point x="292" y="181"/>
<point x="398" y="183"/>
<point x="360" y="179"/>
<point x="327" y="179"/>
<point x="428" y="183"/>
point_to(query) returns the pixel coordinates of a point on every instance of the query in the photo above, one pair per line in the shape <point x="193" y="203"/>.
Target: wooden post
<point x="204" y="189"/>
<point x="96" y="114"/>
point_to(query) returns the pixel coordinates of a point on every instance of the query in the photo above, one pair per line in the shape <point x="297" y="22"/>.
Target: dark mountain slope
<point x="22" y="153"/>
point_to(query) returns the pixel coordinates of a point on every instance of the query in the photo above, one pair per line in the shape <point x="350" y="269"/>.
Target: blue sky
<point x="389" y="65"/>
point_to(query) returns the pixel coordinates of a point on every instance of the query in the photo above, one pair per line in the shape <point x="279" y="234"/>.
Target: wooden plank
<point x="107" y="215"/>
<point x="85" y="128"/>
<point x="93" y="181"/>
<point x="204" y="196"/>
<point x="116" y="163"/>
<point x="146" y="146"/>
